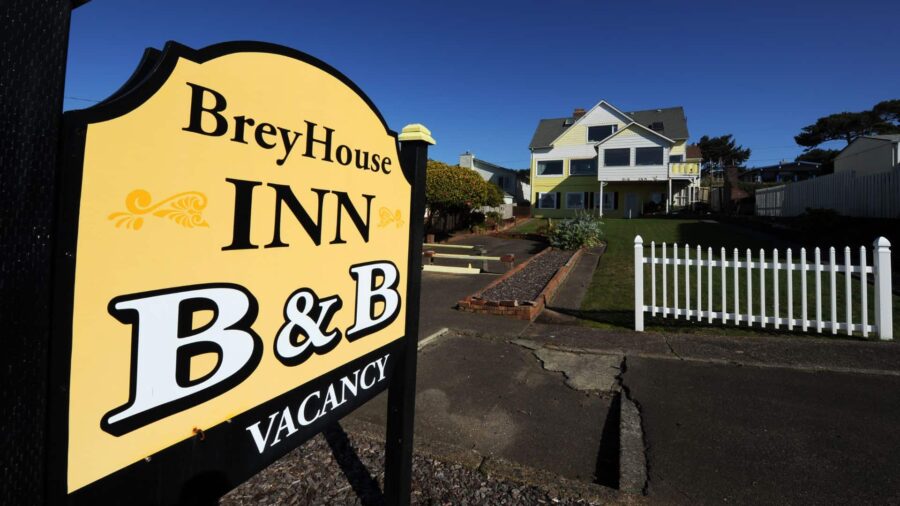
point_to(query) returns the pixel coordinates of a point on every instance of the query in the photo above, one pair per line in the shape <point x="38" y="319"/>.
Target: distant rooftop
<point x="889" y="137"/>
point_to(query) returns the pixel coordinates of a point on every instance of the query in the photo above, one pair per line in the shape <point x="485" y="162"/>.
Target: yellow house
<point x="613" y="163"/>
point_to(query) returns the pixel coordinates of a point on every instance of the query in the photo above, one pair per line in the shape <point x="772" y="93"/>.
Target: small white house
<point x="515" y="191"/>
<point x="869" y="154"/>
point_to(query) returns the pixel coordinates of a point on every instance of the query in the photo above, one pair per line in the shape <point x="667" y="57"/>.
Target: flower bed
<point x="523" y="292"/>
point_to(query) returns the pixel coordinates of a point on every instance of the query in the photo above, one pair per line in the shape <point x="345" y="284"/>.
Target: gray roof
<point x="547" y="131"/>
<point x="672" y="118"/>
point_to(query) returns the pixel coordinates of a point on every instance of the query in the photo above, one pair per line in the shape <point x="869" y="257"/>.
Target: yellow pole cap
<point x="416" y="132"/>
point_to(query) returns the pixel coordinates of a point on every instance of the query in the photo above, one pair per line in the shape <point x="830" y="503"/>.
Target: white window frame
<point x="635" y="155"/>
<point x="540" y="201"/>
<point x="575" y="193"/>
<point x="538" y="163"/>
<point x="594" y="173"/>
<point x="630" y="156"/>
<point x="587" y="131"/>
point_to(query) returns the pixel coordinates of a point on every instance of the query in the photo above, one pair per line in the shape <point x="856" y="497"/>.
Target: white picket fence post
<point x="697" y="311"/>
<point x="639" y="284"/>
<point x="883" y="318"/>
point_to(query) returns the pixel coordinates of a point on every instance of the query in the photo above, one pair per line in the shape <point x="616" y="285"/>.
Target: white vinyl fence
<point x="871" y="196"/>
<point x="732" y="272"/>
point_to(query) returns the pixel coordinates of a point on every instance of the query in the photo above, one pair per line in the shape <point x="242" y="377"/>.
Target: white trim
<point x="625" y="119"/>
<point x="662" y="162"/>
<point x="630" y="157"/>
<point x="560" y="160"/>
<point x="587" y="131"/>
<point x="661" y="136"/>
<point x="590" y="174"/>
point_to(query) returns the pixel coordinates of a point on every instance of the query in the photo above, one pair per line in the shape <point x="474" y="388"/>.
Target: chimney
<point x="579" y="112"/>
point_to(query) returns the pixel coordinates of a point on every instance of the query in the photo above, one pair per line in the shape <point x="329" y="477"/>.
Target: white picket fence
<point x="703" y="273"/>
<point x="869" y="196"/>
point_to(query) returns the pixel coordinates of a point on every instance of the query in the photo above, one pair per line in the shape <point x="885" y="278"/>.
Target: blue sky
<point x="481" y="74"/>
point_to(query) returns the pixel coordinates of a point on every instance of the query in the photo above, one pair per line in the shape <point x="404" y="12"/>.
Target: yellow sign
<point x="242" y="232"/>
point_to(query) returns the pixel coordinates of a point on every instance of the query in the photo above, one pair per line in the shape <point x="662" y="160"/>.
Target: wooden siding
<point x="631" y="138"/>
<point x="599" y="115"/>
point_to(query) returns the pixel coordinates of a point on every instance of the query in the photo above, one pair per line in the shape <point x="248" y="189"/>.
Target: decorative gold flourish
<point x="387" y="217"/>
<point x="185" y="209"/>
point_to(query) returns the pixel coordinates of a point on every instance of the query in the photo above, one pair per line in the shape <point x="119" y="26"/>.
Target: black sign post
<point x="402" y="391"/>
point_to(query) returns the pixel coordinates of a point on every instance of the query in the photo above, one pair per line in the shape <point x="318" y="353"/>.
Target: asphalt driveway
<point x="719" y="433"/>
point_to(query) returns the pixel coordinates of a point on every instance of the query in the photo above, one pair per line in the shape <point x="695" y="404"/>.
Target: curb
<point x="433" y="337"/>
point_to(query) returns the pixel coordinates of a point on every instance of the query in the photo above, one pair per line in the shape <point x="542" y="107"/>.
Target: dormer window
<point x="656" y="126"/>
<point x="599" y="132"/>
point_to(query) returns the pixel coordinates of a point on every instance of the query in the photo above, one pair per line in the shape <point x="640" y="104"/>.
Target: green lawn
<point x="529" y="226"/>
<point x="609" y="300"/>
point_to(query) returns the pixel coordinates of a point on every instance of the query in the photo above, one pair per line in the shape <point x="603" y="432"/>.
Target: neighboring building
<point x="783" y="172"/>
<point x="869" y="154"/>
<point x="616" y="163"/>
<point x="515" y="191"/>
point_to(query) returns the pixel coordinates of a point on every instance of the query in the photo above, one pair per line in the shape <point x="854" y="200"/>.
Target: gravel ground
<point x="527" y="284"/>
<point x="334" y="468"/>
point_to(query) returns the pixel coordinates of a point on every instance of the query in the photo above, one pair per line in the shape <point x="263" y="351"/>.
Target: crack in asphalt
<point x="671" y="349"/>
<point x="625" y="392"/>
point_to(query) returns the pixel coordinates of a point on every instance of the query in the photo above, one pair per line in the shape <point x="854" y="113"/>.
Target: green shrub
<point x="584" y="230"/>
<point x="454" y="190"/>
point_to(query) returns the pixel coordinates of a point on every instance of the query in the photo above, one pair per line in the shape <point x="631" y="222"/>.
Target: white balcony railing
<point x="684" y="169"/>
<point x="675" y="170"/>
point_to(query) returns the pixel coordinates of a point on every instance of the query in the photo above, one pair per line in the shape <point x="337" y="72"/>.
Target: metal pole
<point x="414" y="141"/>
<point x="600" y="207"/>
<point x="34" y="44"/>
<point x="669" y="196"/>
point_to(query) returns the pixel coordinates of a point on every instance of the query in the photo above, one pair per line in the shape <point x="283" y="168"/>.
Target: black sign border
<point x="162" y="478"/>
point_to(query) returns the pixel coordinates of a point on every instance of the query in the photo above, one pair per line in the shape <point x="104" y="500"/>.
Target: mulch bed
<point x="334" y="468"/>
<point x="526" y="284"/>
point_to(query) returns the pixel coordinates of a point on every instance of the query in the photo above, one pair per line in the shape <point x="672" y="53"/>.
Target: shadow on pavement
<point x="359" y="477"/>
<point x="607" y="473"/>
<point x="625" y="321"/>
